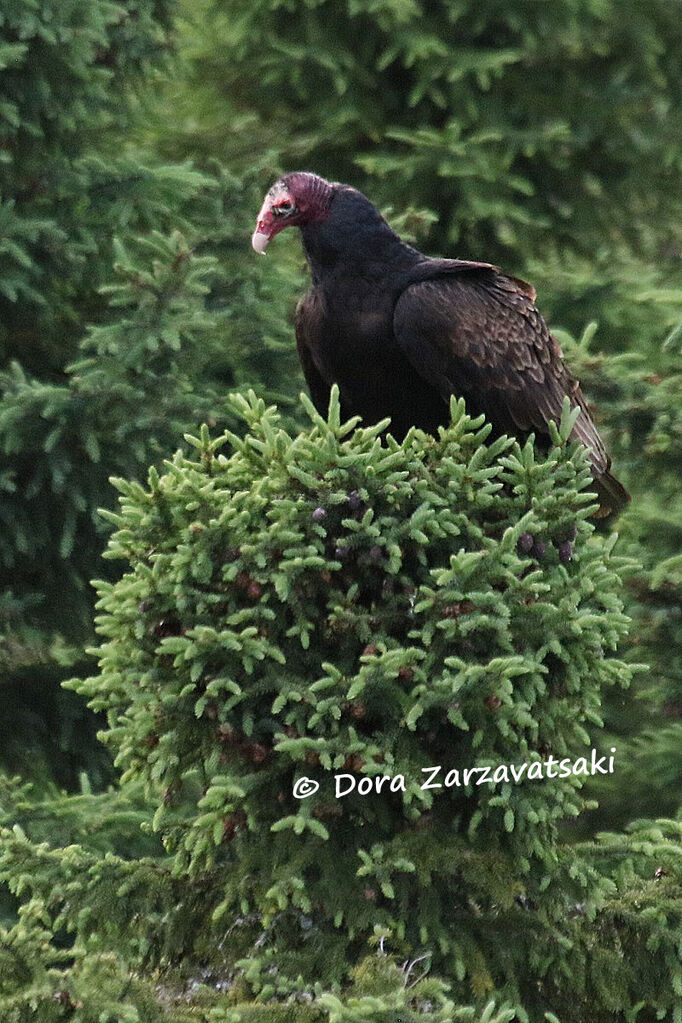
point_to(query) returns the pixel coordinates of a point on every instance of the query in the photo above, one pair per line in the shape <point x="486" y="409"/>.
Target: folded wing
<point x="478" y="334"/>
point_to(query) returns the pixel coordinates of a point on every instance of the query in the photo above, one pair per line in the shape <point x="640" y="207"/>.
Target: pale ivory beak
<point x="260" y="238"/>
<point x="259" y="241"/>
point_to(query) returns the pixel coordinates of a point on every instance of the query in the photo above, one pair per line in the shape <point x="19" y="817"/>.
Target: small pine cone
<point x="357" y="710"/>
<point x="493" y="702"/>
<point x="167" y="627"/>
<point x="567" y="533"/>
<point x="539" y="550"/>
<point x="171" y="792"/>
<point x="525" y="543"/>
<point x="370" y="894"/>
<point x="406" y="674"/>
<point x="312" y="758"/>
<point x="464" y="607"/>
<point x="353" y="762"/>
<point x="370" y="650"/>
<point x="319" y="515"/>
<point x="229" y="829"/>
<point x="254" y="590"/>
<point x="566" y="552"/>
<point x="232" y="823"/>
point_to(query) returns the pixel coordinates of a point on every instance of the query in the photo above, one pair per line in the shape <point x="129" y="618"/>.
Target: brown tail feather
<point x="613" y="496"/>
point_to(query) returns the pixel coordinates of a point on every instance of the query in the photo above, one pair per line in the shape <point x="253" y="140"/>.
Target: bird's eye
<point x="284" y="208"/>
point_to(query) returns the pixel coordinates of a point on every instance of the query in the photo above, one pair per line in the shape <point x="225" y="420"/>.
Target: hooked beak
<point x="265" y="227"/>
<point x="260" y="239"/>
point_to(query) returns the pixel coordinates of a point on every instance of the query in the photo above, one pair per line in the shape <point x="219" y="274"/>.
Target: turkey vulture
<point x="400" y="332"/>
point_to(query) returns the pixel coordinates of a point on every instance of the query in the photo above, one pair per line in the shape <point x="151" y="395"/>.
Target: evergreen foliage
<point x="640" y="394"/>
<point x="66" y="186"/>
<point x="78" y="403"/>
<point x="68" y="69"/>
<point x="333" y="602"/>
<point x="323" y="601"/>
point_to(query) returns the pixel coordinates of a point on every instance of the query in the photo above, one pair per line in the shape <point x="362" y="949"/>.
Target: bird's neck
<point x="354" y="236"/>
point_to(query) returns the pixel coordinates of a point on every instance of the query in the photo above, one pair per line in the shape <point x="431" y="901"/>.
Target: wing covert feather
<point x="480" y="336"/>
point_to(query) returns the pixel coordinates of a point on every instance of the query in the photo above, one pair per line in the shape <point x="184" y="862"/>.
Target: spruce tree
<point x="119" y="332"/>
<point x="331" y="602"/>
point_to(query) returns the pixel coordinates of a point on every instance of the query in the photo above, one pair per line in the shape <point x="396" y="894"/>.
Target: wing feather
<point x="479" y="334"/>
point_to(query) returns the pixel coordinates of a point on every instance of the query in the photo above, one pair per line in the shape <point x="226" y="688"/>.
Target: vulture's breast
<point x="357" y="350"/>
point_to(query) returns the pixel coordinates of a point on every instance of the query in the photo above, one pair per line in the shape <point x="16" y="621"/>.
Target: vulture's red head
<point x="295" y="200"/>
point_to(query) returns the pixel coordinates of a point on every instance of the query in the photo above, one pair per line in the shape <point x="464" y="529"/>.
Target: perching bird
<point x="400" y="332"/>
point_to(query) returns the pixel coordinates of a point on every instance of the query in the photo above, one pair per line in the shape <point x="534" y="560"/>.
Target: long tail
<point x="613" y="496"/>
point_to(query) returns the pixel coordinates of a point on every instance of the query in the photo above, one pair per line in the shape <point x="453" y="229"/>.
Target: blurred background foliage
<point x="136" y="140"/>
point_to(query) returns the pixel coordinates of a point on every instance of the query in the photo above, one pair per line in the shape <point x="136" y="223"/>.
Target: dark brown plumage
<point x="400" y="332"/>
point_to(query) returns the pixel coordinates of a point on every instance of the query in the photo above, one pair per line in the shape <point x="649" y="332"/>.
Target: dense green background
<point x="136" y="140"/>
